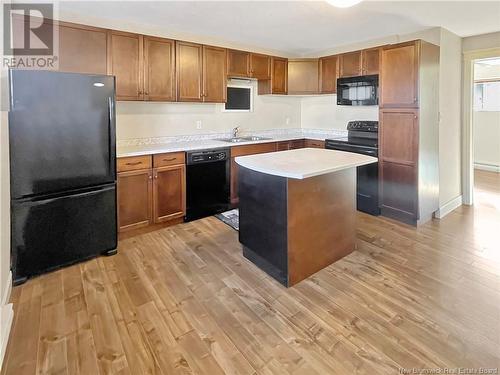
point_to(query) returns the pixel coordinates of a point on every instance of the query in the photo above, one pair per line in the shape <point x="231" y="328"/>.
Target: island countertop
<point x="303" y="163"/>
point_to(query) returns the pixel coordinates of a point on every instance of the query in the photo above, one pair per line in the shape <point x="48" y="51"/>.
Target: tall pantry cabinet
<point x="409" y="131"/>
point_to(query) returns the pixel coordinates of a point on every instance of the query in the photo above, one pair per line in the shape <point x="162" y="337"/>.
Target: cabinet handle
<point x="150" y="177"/>
<point x="134" y="163"/>
<point x="169" y="159"/>
<point x="146" y="93"/>
<point x="156" y="176"/>
<point x="414" y="100"/>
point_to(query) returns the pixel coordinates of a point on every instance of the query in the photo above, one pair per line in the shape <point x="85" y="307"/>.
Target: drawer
<point x="253" y="149"/>
<point x="172" y="158"/>
<point x="314" y="143"/>
<point x="133" y="163"/>
<point x="298" y="143"/>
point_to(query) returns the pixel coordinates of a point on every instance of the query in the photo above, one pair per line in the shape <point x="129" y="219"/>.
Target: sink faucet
<point x="235" y="131"/>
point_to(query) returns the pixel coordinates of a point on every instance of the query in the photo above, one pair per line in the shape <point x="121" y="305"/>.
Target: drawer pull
<point x="134" y="163"/>
<point x="169" y="159"/>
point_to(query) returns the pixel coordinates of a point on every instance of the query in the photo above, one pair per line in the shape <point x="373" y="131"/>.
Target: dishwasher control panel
<point x="208" y="156"/>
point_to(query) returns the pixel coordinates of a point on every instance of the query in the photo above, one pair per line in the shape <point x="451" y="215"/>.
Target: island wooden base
<point x="293" y="228"/>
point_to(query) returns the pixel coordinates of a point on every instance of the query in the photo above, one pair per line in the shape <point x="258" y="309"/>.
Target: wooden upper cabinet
<point x="189" y="71"/>
<point x="82" y="49"/>
<point x="279" y="76"/>
<point x="260" y="66"/>
<point x="350" y="64"/>
<point x="214" y="74"/>
<point x="328" y="73"/>
<point x="370" y="61"/>
<point x="134" y="199"/>
<point x="278" y="84"/>
<point x="125" y="59"/>
<point x="159" y="69"/>
<point x="303" y="76"/>
<point x="399" y="76"/>
<point x="169" y="193"/>
<point x="238" y="63"/>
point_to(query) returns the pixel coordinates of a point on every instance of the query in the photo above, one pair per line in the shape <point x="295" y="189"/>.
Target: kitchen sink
<point x="255" y="138"/>
<point x="234" y="140"/>
<point x="243" y="139"/>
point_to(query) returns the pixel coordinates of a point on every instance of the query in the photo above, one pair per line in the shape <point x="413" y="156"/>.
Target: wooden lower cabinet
<point x="169" y="193"/>
<point x="151" y="190"/>
<point x="134" y="199"/>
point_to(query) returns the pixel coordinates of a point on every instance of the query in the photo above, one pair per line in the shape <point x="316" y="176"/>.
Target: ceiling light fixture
<point x="343" y="3"/>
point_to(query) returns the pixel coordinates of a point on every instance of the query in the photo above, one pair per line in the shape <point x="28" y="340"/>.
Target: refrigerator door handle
<point x="111" y="136"/>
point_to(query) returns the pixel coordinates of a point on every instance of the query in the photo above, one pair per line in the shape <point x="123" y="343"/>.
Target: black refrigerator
<point x="62" y="169"/>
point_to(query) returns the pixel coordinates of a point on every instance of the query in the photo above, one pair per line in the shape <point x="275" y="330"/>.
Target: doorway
<point x="486" y="132"/>
<point x="481" y="127"/>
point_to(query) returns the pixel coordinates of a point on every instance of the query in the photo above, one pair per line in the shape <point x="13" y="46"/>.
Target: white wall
<point x="322" y="112"/>
<point x="140" y="119"/>
<point x="486" y="139"/>
<point x="479" y="42"/>
<point x="450" y="141"/>
<point x="6" y="312"/>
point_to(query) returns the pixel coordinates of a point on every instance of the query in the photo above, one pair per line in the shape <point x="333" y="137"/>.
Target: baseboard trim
<point x="6" y="317"/>
<point x="487" y="167"/>
<point x="448" y="207"/>
<point x="6" y="292"/>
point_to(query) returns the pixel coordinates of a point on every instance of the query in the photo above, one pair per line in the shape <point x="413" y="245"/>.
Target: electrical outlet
<point x="287" y="120"/>
<point x="199" y="125"/>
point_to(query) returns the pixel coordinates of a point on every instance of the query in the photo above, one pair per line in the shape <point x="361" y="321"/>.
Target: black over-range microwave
<point x="361" y="90"/>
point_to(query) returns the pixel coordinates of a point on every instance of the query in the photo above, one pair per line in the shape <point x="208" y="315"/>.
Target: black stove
<point x="362" y="138"/>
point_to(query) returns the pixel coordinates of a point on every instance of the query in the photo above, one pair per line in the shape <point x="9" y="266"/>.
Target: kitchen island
<point x="298" y="210"/>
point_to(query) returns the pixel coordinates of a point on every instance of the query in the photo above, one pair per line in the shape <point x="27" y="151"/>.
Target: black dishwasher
<point x="207" y="183"/>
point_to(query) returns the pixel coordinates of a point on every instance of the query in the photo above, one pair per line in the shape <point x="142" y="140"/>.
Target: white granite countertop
<point x="303" y="163"/>
<point x="137" y="147"/>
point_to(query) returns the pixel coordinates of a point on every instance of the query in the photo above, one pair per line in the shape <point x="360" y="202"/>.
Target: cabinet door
<point x="189" y="69"/>
<point x="169" y="193"/>
<point x="238" y="63"/>
<point x="260" y="66"/>
<point x="125" y="59"/>
<point x="298" y="143"/>
<point x="214" y="74"/>
<point x="159" y="69"/>
<point x="370" y="61"/>
<point x="398" y="191"/>
<point x="283" y="146"/>
<point x="134" y="199"/>
<point x="328" y="73"/>
<point x="399" y="76"/>
<point x="303" y="76"/>
<point x="279" y="76"/>
<point x="399" y="136"/>
<point x="350" y="64"/>
<point x="82" y="49"/>
<point x="234" y="182"/>
<point x="398" y="155"/>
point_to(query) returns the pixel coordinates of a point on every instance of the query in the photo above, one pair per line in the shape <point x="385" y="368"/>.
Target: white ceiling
<point x="293" y="27"/>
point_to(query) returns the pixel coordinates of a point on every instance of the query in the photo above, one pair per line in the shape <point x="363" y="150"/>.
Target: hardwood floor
<point x="184" y="300"/>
